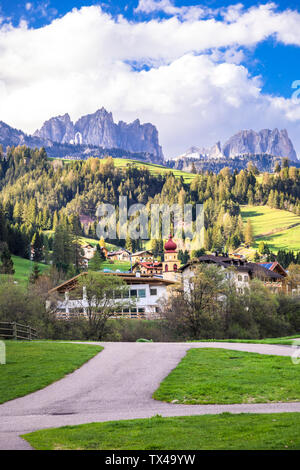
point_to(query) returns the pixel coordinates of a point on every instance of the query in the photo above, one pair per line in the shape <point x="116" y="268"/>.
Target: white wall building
<point x="145" y="295"/>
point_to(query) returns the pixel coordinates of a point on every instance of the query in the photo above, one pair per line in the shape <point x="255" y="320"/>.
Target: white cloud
<point x="185" y="12"/>
<point x="194" y="92"/>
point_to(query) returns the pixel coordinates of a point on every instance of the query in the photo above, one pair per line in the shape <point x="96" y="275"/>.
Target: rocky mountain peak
<point x="100" y="130"/>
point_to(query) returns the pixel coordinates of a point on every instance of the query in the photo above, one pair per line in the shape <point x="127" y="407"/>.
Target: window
<point x="142" y="293"/>
<point x="153" y="291"/>
<point x="240" y="278"/>
<point x="133" y="293"/>
<point x="166" y="268"/>
<point x="141" y="310"/>
<point x="246" y="278"/>
<point x="175" y="267"/>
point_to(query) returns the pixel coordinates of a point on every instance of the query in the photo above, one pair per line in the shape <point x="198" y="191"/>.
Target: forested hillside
<point x="38" y="195"/>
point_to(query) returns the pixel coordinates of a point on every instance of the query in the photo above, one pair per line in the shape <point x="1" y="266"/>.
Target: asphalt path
<point x="116" y="384"/>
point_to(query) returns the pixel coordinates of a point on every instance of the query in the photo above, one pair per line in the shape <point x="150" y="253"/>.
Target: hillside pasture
<point x="279" y="229"/>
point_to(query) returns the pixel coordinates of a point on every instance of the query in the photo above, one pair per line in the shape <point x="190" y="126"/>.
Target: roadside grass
<point x="280" y="431"/>
<point x="219" y="376"/>
<point x="284" y="340"/>
<point x="31" y="366"/>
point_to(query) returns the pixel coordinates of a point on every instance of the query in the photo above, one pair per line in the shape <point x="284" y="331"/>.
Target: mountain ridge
<point x="91" y="135"/>
<point x="99" y="129"/>
<point x="247" y="142"/>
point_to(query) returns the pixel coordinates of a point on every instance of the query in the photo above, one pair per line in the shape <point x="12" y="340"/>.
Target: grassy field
<point x="278" y="431"/>
<point x="31" y="366"/>
<point x="154" y="169"/>
<point x="23" y="268"/>
<point x="206" y="376"/>
<point x="86" y="241"/>
<point x="265" y="220"/>
<point x="116" y="265"/>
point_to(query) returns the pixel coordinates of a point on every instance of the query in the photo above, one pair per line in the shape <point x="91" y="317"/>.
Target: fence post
<point x="15" y="334"/>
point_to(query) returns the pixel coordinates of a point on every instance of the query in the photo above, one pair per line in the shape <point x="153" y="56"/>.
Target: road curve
<point x="118" y="383"/>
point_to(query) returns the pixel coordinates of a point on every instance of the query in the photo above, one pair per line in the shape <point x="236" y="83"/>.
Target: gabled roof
<point x="275" y="267"/>
<point x="254" y="269"/>
<point x="139" y="253"/>
<point x="129" y="278"/>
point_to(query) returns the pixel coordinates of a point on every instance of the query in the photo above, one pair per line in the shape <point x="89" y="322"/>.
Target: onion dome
<point x="170" y="245"/>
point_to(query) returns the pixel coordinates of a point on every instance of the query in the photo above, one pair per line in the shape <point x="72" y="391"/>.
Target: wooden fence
<point x="13" y="330"/>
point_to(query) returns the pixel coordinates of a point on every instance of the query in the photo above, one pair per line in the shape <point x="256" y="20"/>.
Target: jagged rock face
<point x="99" y="129"/>
<point x="274" y="142"/>
<point x="59" y="129"/>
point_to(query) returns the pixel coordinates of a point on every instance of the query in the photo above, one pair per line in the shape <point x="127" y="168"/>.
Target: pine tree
<point x="36" y="272"/>
<point x="7" y="266"/>
<point x="95" y="262"/>
<point x="37" y="245"/>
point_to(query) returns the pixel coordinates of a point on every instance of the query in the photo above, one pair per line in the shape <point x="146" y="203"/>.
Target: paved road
<point x="118" y="384"/>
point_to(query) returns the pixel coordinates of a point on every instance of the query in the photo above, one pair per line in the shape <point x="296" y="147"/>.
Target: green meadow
<point x="278" y="431"/>
<point x="219" y="376"/>
<point x="32" y="365"/>
<point x="23" y="268"/>
<point x="266" y="220"/>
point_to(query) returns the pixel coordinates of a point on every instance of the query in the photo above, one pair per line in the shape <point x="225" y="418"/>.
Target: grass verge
<point x="31" y="366"/>
<point x="209" y="432"/>
<point x="220" y="376"/>
<point x="284" y="340"/>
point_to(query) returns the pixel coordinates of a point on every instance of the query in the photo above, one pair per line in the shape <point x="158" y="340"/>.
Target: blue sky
<point x="245" y="73"/>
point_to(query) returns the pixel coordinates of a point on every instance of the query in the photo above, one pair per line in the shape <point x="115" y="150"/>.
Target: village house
<point x="148" y="269"/>
<point x="119" y="255"/>
<point x="241" y="272"/>
<point x="88" y="251"/>
<point x="142" y="256"/>
<point x="145" y="292"/>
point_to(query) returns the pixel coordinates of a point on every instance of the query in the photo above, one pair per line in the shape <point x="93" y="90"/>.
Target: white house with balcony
<point x="144" y="295"/>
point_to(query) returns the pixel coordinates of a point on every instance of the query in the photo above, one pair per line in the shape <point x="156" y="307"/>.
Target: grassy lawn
<point x="34" y="365"/>
<point x="285" y="340"/>
<point x="116" y="265"/>
<point x="265" y="220"/>
<point x="209" y="432"/>
<point x="23" y="268"/>
<point x="221" y="376"/>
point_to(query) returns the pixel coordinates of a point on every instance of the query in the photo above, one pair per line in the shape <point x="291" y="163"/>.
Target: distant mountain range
<point x="92" y="134"/>
<point x="98" y="135"/>
<point x="248" y="142"/>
